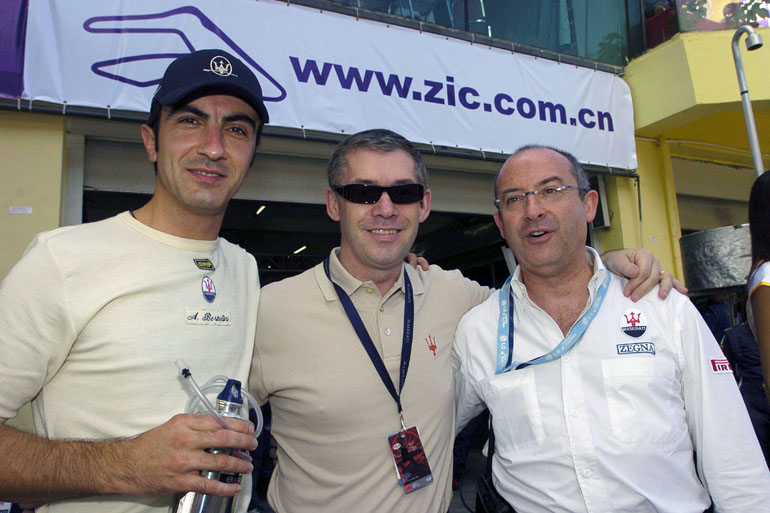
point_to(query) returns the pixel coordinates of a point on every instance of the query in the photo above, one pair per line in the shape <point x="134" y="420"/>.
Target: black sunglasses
<point x="367" y="194"/>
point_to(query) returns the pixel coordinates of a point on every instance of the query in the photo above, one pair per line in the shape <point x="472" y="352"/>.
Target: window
<point x="597" y="30"/>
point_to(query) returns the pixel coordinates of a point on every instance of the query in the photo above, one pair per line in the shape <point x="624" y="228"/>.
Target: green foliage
<point x="610" y="48"/>
<point x="696" y="7"/>
<point x="742" y="13"/>
<point x="691" y="12"/>
<point x="694" y="13"/>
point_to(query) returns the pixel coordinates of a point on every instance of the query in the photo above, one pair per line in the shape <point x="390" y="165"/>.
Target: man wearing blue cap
<point x="95" y="315"/>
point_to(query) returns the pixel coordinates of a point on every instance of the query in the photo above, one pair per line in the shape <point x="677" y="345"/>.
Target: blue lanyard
<point x="366" y="340"/>
<point x="505" y="361"/>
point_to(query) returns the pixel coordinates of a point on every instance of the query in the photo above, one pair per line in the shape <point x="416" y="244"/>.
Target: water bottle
<point x="229" y="403"/>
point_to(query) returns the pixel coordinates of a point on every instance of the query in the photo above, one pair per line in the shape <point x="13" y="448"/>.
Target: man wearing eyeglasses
<point x="334" y="347"/>
<point x="598" y="404"/>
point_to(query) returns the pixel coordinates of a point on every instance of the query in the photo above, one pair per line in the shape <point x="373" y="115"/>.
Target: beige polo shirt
<point x="331" y="412"/>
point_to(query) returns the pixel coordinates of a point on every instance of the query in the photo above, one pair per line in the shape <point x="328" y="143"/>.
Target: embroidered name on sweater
<point x="213" y="318"/>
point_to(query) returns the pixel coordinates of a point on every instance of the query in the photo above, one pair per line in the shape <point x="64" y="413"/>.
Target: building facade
<point x="688" y="167"/>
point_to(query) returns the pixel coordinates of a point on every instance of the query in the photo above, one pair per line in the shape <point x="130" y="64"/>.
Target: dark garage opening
<point x="468" y="242"/>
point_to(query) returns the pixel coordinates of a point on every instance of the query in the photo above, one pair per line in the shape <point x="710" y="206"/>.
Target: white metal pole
<point x="753" y="41"/>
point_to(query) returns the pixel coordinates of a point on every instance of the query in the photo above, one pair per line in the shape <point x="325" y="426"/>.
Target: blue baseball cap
<point x="214" y="71"/>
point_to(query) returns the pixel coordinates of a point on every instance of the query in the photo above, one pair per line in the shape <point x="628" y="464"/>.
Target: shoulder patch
<point x="720" y="365"/>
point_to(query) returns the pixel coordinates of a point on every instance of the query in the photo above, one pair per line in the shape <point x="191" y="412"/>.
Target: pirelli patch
<point x="720" y="365"/>
<point x="204" y="264"/>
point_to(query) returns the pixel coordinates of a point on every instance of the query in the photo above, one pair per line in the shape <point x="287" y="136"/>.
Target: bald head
<point x="577" y="171"/>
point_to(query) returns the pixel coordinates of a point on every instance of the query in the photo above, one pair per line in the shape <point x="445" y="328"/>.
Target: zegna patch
<point x="636" y="348"/>
<point x="207" y="317"/>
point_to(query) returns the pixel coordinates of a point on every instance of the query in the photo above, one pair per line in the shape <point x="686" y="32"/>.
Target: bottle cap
<point x="232" y="392"/>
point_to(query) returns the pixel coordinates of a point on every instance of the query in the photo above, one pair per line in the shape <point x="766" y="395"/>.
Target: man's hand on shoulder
<point x="414" y="260"/>
<point x="643" y="271"/>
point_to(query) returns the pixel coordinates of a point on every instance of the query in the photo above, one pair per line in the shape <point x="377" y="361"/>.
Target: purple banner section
<point x="13" y="30"/>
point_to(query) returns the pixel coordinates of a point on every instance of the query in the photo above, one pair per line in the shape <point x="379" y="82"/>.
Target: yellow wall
<point x="691" y="77"/>
<point x="660" y="218"/>
<point x="711" y="194"/>
<point x="623" y="209"/>
<point x="30" y="176"/>
<point x="692" y="143"/>
<point x="656" y="230"/>
<point x="32" y="146"/>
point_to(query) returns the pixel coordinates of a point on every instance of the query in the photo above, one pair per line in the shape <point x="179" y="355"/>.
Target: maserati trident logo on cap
<point x="221" y="66"/>
<point x="211" y="71"/>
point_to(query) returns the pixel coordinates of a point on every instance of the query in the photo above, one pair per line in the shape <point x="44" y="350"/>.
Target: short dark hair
<point x="153" y="119"/>
<point x="577" y="170"/>
<point x="759" y="218"/>
<point x="378" y="139"/>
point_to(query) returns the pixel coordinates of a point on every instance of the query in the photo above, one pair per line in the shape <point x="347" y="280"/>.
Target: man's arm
<point x="640" y="266"/>
<point x="642" y="269"/>
<point x="734" y="472"/>
<point x="162" y="461"/>
<point x="468" y="402"/>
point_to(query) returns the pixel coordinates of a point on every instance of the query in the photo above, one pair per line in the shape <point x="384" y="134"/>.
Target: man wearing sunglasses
<point x="354" y="354"/>
<point x="598" y="403"/>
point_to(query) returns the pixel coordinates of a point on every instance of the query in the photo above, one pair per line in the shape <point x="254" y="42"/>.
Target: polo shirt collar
<point x="351" y="284"/>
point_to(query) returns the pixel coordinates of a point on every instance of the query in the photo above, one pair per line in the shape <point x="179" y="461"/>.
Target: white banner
<point x="331" y="72"/>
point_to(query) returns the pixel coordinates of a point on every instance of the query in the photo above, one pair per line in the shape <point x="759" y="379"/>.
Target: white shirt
<point x="613" y="424"/>
<point x="759" y="278"/>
